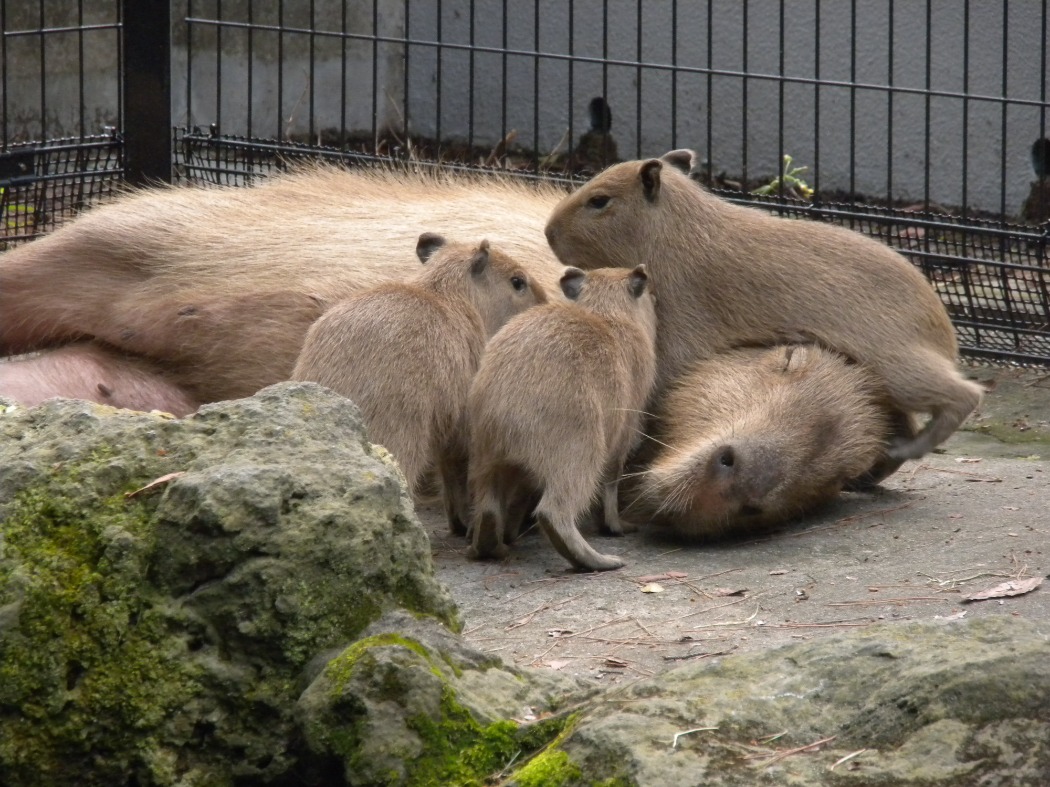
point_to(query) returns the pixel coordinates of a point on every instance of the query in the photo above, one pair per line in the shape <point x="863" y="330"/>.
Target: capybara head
<point x="753" y="438"/>
<point x="612" y="292"/>
<point x="608" y="219"/>
<point x="497" y="285"/>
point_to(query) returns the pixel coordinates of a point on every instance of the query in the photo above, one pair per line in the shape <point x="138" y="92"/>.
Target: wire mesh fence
<point x="922" y="124"/>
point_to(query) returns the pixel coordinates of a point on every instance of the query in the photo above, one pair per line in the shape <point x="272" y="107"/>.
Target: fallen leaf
<point x="665" y="575"/>
<point x="954" y="616"/>
<point x="559" y="633"/>
<point x="777" y="572"/>
<point x="615" y="663"/>
<point x="1015" y="587"/>
<point x="557" y="664"/>
<point x="155" y="483"/>
<point x="967" y="460"/>
<point x="1011" y="508"/>
<point x="729" y="591"/>
<point x="652" y="587"/>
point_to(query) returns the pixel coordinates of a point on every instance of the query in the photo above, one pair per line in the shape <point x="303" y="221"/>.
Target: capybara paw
<point x="604" y="563"/>
<point x="456" y="527"/>
<point x="902" y="450"/>
<point x="618" y="527"/>
<point x="497" y="552"/>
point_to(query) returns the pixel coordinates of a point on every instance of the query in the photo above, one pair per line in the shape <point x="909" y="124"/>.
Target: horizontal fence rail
<point x="922" y="124"/>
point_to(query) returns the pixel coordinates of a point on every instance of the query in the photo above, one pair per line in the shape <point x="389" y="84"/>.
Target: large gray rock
<point x="161" y="637"/>
<point x="958" y="704"/>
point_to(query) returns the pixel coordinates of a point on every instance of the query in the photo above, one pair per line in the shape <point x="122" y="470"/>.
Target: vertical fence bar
<point x="146" y="87"/>
<point x="1005" y="106"/>
<point x="43" y="71"/>
<point x="4" y="70"/>
<point x="638" y="86"/>
<point x="929" y="109"/>
<point x="470" y="82"/>
<point x="780" y="99"/>
<point x="853" y="104"/>
<point x="674" y="77"/>
<point x="889" y="110"/>
<point x="218" y="65"/>
<point x="504" y="146"/>
<point x="743" y="98"/>
<point x="816" y="102"/>
<point x="80" y="65"/>
<point x="571" y="98"/>
<point x="440" y="86"/>
<point x="966" y="106"/>
<point x="250" y="67"/>
<point x="536" y="85"/>
<point x="408" y="70"/>
<point x="709" y="151"/>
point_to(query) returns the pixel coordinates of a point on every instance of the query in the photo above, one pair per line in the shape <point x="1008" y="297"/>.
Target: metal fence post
<point x="146" y="86"/>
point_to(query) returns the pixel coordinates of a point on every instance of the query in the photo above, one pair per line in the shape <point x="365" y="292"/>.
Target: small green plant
<point x="793" y="185"/>
<point x="16" y="215"/>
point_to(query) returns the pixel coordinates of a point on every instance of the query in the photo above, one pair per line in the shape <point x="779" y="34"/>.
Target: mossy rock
<point x="160" y="637"/>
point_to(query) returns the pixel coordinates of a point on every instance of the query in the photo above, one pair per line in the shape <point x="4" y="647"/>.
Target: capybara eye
<point x="727" y="458"/>
<point x="518" y="283"/>
<point x="599" y="201"/>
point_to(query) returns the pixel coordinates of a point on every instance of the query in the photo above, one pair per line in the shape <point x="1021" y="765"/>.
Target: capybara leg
<point x="452" y="465"/>
<point x="559" y="525"/>
<point x="487" y="534"/>
<point x="612" y="522"/>
<point x="927" y="382"/>
<point x="904" y="429"/>
<point x="89" y="371"/>
<point x="487" y="514"/>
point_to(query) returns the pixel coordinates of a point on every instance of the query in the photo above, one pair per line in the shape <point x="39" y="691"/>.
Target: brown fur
<point x="752" y="438"/>
<point x="406" y="352"/>
<point x="554" y="410"/>
<point x="219" y="285"/>
<point x="731" y="276"/>
<point x="100" y="374"/>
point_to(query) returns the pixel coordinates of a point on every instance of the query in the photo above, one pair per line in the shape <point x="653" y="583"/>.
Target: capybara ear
<point x="428" y="243"/>
<point x="572" y="283"/>
<point x="480" y="260"/>
<point x="637" y="281"/>
<point x="681" y="159"/>
<point x="650" y="174"/>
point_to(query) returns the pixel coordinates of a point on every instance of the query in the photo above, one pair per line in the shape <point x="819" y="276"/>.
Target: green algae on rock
<point x="160" y="638"/>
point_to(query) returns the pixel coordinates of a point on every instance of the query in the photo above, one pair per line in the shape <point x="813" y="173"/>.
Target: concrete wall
<point x="859" y="139"/>
<point x="971" y="159"/>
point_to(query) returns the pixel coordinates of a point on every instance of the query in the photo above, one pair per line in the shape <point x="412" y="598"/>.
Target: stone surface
<point x="160" y="637"/>
<point x="951" y="703"/>
<point x="266" y="612"/>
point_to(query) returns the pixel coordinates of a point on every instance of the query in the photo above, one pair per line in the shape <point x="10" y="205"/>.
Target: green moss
<point x="90" y="657"/>
<point x="458" y="750"/>
<point x="551" y="768"/>
<point x="1005" y="433"/>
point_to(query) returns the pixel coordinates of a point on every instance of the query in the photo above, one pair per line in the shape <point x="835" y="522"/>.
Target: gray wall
<point x="978" y="150"/>
<point x="989" y="169"/>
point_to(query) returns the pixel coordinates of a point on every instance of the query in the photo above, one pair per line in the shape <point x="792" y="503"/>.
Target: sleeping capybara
<point x="219" y="285"/>
<point x="732" y="276"/>
<point x="406" y="352"/>
<point x="754" y="437"/>
<point x="555" y="409"/>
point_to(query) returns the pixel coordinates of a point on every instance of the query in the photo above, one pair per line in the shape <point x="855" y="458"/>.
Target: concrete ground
<point x="963" y="520"/>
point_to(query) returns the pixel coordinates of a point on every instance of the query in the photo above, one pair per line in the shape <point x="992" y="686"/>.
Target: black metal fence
<point x="922" y="123"/>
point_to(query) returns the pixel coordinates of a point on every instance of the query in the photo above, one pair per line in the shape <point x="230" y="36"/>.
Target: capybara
<point x="755" y="437"/>
<point x="554" y="410"/>
<point x="219" y="285"/>
<point x="97" y="373"/>
<point x="406" y="352"/>
<point x="731" y="276"/>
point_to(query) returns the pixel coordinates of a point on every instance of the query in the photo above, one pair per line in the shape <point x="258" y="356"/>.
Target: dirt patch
<point x="955" y="523"/>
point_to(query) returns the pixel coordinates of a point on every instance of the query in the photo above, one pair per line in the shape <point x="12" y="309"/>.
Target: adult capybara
<point x="406" y="353"/>
<point x="219" y="285"/>
<point x="554" y="410"/>
<point x="89" y="370"/>
<point x="754" y="437"/>
<point x="731" y="276"/>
